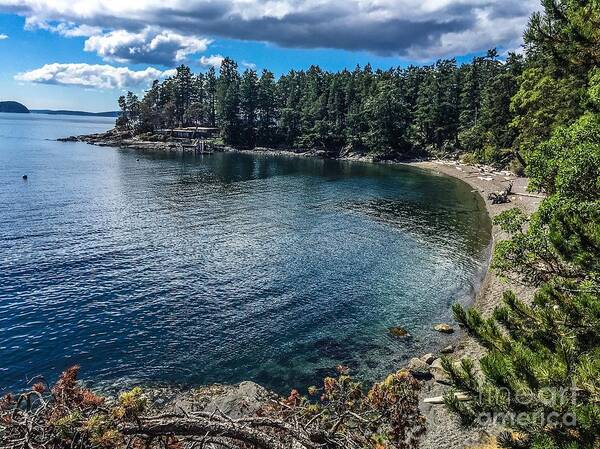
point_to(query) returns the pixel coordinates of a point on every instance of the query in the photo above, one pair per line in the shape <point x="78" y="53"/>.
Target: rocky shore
<point x="149" y="142"/>
<point x="444" y="430"/>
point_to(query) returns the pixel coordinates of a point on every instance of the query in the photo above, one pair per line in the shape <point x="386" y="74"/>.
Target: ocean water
<point x="156" y="268"/>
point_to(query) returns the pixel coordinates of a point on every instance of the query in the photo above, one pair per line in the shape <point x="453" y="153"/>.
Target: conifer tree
<point x="248" y="108"/>
<point x="267" y="107"/>
<point x="228" y="101"/>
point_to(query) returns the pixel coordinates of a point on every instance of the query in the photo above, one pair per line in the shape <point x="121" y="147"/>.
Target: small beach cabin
<point x="191" y="132"/>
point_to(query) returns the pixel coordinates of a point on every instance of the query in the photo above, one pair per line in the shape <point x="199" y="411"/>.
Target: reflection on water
<point x="223" y="267"/>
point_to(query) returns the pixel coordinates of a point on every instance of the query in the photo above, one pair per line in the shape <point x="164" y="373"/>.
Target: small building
<point x="191" y="132"/>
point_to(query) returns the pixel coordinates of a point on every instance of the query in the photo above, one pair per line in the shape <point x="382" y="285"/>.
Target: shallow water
<point x="225" y="267"/>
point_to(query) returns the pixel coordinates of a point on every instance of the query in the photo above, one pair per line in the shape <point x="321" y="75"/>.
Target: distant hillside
<point x="82" y="113"/>
<point x="13" y="106"/>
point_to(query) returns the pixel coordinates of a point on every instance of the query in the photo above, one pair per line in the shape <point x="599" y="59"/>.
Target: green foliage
<point x="566" y="162"/>
<point x="540" y="372"/>
<point x="439" y="109"/>
<point x="130" y="404"/>
<point x="542" y="365"/>
<point x="565" y="36"/>
<point x="228" y="101"/>
<point x="542" y="103"/>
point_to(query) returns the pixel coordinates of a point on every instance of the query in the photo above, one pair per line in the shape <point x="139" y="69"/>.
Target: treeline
<point x="401" y="112"/>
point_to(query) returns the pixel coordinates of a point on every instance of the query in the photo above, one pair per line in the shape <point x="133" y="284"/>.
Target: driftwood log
<point x="501" y="197"/>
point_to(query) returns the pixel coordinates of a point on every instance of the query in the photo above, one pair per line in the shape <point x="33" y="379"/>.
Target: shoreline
<point x="444" y="430"/>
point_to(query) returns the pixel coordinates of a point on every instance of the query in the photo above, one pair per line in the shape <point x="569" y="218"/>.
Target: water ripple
<point x="158" y="268"/>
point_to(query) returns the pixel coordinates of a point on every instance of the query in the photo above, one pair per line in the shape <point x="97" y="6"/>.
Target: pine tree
<point x="267" y="107"/>
<point x="542" y="367"/>
<point x="182" y="92"/>
<point x="387" y="117"/>
<point x="211" y="97"/>
<point x="248" y="108"/>
<point x="228" y="101"/>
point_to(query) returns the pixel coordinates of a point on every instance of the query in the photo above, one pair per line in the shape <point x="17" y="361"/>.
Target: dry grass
<point x="491" y="443"/>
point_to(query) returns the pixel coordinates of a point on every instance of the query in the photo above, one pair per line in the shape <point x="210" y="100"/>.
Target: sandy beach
<point x="444" y="430"/>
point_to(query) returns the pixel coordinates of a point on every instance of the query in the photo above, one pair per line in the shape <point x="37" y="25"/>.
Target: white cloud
<point x="67" y="29"/>
<point x="148" y="46"/>
<point x="248" y="65"/>
<point x="72" y="30"/>
<point x="409" y="28"/>
<point x="3" y="37"/>
<point x="93" y="76"/>
<point x="212" y="60"/>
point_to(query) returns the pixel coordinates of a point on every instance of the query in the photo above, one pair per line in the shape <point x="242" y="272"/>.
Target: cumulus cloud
<point x="3" y="36"/>
<point x="212" y="60"/>
<point x="148" y="46"/>
<point x="414" y="28"/>
<point x="97" y="76"/>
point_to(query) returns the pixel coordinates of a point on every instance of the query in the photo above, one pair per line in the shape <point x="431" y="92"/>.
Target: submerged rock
<point x="398" y="331"/>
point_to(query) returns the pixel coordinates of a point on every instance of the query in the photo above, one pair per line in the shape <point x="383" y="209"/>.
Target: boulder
<point x="244" y="399"/>
<point x="236" y="401"/>
<point x="438" y="373"/>
<point x="448" y="350"/>
<point x="418" y="368"/>
<point x="428" y="358"/>
<point x="444" y="328"/>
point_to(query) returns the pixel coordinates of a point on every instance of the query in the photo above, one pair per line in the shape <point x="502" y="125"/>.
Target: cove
<point x="160" y="268"/>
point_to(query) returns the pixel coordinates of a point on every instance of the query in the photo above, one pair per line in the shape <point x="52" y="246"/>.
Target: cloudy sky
<point x="81" y="54"/>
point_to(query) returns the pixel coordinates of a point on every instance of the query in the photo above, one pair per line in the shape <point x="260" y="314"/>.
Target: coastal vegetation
<point x="440" y="109"/>
<point x="344" y="416"/>
<point x="540" y="377"/>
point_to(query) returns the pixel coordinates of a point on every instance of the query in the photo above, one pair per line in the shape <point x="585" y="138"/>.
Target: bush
<point x="386" y="416"/>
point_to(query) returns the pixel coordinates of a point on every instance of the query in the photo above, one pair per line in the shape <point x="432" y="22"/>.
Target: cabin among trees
<point x="192" y="132"/>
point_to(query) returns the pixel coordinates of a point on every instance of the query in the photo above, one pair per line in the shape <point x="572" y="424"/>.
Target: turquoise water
<point x="179" y="269"/>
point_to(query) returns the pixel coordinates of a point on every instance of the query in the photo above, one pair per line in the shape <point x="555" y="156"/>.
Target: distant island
<point x="13" y="106"/>
<point x="16" y="107"/>
<point x="81" y="113"/>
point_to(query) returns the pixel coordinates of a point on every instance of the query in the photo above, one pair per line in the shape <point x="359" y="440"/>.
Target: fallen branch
<point x="186" y="427"/>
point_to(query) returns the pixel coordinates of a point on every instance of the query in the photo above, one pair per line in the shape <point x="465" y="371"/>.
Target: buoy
<point x="25" y="177"/>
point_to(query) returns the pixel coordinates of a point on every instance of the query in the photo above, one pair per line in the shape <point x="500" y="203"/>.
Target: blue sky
<point x="82" y="54"/>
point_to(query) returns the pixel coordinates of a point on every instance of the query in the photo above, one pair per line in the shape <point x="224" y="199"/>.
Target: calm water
<point x="156" y="268"/>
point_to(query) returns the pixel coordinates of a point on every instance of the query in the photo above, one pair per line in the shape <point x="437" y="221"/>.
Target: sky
<point x="83" y="54"/>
